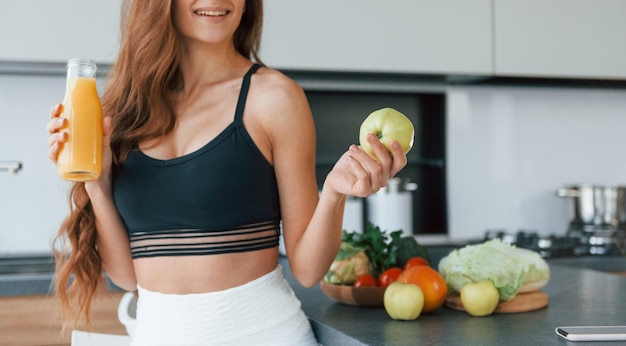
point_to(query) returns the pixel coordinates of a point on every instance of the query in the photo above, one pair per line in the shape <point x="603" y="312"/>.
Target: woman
<point x="206" y="152"/>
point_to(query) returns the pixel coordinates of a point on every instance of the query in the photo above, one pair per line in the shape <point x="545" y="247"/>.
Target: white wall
<point x="509" y="149"/>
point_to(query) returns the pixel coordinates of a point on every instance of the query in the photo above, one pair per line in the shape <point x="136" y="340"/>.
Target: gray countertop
<point x="577" y="296"/>
<point x="30" y="274"/>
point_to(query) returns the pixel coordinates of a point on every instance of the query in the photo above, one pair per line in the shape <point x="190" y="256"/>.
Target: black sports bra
<point x="222" y="198"/>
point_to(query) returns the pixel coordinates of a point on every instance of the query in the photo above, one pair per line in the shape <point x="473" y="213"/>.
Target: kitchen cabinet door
<point x="33" y="201"/>
<point x="55" y="31"/>
<point x="560" y="38"/>
<point x="426" y="36"/>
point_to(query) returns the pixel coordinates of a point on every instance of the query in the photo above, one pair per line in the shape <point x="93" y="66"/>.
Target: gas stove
<point x="577" y="241"/>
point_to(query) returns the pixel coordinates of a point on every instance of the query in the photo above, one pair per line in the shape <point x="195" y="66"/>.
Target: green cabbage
<point x="510" y="268"/>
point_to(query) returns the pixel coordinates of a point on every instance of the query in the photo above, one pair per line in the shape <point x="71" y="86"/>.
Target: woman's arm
<point x="312" y="221"/>
<point x="112" y="240"/>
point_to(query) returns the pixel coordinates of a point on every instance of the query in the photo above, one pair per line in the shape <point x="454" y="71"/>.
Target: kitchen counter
<point x="581" y="292"/>
<point x="31" y="274"/>
<point x="577" y="296"/>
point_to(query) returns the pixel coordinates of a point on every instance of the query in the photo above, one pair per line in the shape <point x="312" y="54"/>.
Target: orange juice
<point x="80" y="158"/>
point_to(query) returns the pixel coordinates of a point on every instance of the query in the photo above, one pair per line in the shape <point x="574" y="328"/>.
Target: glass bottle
<point x="80" y="158"/>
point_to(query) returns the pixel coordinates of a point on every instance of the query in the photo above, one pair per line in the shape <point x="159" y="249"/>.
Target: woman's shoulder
<point x="274" y="84"/>
<point x="277" y="100"/>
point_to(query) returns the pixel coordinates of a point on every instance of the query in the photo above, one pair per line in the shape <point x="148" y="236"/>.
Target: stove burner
<point x="596" y="241"/>
<point x="577" y="242"/>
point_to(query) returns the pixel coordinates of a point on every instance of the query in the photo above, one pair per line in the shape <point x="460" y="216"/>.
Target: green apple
<point x="388" y="125"/>
<point x="480" y="298"/>
<point x="403" y="301"/>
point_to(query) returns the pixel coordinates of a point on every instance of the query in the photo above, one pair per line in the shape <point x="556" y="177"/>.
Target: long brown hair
<point x="138" y="98"/>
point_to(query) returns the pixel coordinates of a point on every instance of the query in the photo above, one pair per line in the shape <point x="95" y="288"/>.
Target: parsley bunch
<point x="378" y="246"/>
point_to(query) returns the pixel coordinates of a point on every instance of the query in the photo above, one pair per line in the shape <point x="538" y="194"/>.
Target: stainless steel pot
<point x="620" y="202"/>
<point x="596" y="205"/>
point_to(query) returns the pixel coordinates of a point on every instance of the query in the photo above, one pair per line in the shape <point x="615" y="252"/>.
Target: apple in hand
<point x="480" y="298"/>
<point x="388" y="125"/>
<point x="403" y="301"/>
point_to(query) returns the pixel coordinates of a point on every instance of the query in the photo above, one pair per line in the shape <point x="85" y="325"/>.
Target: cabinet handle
<point x="10" y="166"/>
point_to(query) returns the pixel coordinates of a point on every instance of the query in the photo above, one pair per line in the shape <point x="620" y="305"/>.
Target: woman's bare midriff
<point x="199" y="274"/>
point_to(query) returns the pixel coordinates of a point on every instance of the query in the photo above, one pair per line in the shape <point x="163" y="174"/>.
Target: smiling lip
<point x="211" y="13"/>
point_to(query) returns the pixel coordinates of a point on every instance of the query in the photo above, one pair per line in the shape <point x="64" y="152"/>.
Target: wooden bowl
<point x="358" y="296"/>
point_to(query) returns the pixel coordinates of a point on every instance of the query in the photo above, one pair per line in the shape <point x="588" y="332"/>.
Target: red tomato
<point x="388" y="276"/>
<point x="430" y="282"/>
<point x="366" y="280"/>
<point x="415" y="261"/>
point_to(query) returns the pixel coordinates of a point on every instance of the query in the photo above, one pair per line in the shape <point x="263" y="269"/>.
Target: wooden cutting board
<point x="522" y="302"/>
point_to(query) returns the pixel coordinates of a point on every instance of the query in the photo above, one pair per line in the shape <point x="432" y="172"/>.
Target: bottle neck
<point x="81" y="68"/>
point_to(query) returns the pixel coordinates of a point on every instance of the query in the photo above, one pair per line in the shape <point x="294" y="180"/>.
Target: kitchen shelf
<point x="38" y="68"/>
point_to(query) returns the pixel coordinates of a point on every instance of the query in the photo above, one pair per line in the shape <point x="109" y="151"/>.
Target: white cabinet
<point x="560" y="38"/>
<point x="57" y="30"/>
<point x="33" y="201"/>
<point x="529" y="38"/>
<point x="426" y="36"/>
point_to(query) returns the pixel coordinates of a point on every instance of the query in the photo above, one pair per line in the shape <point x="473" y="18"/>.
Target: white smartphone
<point x="592" y="333"/>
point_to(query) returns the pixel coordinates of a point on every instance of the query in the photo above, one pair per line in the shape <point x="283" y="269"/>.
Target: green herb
<point x="408" y="247"/>
<point x="378" y="245"/>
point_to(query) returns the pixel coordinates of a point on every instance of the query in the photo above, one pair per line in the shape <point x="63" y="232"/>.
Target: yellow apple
<point x="480" y="298"/>
<point x="388" y="125"/>
<point x="403" y="301"/>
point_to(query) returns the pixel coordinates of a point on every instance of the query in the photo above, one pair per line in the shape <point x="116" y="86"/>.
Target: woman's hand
<point x="58" y="137"/>
<point x="358" y="174"/>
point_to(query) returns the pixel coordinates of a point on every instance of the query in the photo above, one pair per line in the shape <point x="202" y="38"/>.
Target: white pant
<point x="264" y="311"/>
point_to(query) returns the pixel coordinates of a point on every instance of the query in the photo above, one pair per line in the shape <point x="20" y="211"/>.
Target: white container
<point x="391" y="208"/>
<point x="127" y="312"/>
<point x="353" y="215"/>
